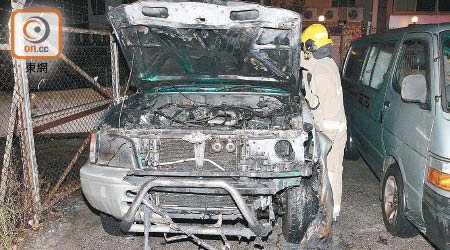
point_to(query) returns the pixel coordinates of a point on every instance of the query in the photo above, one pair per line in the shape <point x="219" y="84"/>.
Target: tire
<point x="302" y="206"/>
<point x="111" y="225"/>
<point x="393" y="205"/>
<point x="351" y="152"/>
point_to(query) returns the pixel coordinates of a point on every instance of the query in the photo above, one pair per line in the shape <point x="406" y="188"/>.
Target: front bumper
<point x="436" y="213"/>
<point x="105" y="189"/>
<point x="120" y="193"/>
<point x="255" y="226"/>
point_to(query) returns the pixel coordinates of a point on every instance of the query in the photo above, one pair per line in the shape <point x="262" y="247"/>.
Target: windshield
<point x="445" y="50"/>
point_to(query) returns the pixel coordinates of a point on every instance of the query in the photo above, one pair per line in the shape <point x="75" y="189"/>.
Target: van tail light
<point x="93" y="148"/>
<point x="439" y="179"/>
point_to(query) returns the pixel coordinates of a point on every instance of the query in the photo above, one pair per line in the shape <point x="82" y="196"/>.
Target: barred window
<point x="413" y="61"/>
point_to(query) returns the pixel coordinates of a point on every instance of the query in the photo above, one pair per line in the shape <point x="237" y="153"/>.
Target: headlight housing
<point x="439" y="179"/>
<point x="284" y="150"/>
<point x="439" y="173"/>
<point x="93" y="148"/>
<point x="114" y="151"/>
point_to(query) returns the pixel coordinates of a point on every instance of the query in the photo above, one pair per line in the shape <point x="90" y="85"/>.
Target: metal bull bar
<point x="255" y="226"/>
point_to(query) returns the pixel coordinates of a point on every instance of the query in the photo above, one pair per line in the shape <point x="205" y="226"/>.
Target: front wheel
<point x="111" y="225"/>
<point x="393" y="205"/>
<point x="302" y="206"/>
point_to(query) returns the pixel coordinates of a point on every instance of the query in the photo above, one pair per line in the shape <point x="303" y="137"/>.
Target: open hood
<point x="176" y="42"/>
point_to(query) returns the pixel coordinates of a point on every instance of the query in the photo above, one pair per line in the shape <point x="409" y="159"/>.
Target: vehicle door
<point x="407" y="126"/>
<point x="350" y="78"/>
<point x="370" y="100"/>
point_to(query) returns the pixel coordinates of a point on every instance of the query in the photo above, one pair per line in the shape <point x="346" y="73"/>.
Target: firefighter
<point x="323" y="92"/>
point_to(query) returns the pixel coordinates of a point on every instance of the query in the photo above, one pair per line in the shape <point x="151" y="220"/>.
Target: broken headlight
<point x="93" y="148"/>
<point x="284" y="150"/>
<point x="114" y="151"/>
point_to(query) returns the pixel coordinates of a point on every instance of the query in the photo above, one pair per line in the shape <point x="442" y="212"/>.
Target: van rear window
<point x="355" y="61"/>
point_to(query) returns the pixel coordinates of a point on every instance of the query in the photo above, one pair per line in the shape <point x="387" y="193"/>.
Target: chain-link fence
<point x="65" y="107"/>
<point x="15" y="207"/>
<point x="66" y="98"/>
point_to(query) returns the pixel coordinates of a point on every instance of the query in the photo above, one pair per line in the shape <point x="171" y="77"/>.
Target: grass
<point x="6" y="229"/>
<point x="14" y="212"/>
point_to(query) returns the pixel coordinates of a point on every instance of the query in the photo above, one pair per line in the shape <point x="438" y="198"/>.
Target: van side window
<point x="355" y="62"/>
<point x="377" y="64"/>
<point x="445" y="68"/>
<point x="413" y="60"/>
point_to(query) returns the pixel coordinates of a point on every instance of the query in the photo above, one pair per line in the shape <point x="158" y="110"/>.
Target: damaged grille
<point x="195" y="200"/>
<point x="176" y="149"/>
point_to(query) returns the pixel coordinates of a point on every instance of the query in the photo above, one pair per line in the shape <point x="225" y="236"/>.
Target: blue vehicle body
<point x="385" y="128"/>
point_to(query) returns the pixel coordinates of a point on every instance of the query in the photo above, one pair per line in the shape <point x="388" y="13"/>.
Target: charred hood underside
<point x="233" y="42"/>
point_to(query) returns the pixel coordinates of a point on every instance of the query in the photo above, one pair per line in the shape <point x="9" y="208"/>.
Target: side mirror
<point x="414" y="88"/>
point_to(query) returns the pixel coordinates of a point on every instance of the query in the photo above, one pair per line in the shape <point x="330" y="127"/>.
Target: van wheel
<point x="111" y="225"/>
<point x="350" y="152"/>
<point x="393" y="205"/>
<point x="302" y="206"/>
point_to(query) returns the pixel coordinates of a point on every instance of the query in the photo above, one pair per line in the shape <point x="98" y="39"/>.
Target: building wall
<point x="318" y="4"/>
<point x="323" y="5"/>
<point x="398" y="19"/>
<point x="429" y="7"/>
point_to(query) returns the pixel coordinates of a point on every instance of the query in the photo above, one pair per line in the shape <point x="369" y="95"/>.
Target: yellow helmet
<point x="315" y="37"/>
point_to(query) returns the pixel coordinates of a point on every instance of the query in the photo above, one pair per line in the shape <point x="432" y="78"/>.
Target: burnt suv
<point x="217" y="130"/>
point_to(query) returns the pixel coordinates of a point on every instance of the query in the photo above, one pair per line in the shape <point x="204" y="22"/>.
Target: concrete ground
<point x="73" y="225"/>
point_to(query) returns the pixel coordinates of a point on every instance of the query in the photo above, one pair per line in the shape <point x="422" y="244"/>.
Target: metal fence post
<point x="26" y="130"/>
<point x="26" y="124"/>
<point x="114" y="68"/>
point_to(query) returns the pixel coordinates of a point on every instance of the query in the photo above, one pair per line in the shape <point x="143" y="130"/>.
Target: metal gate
<point x="48" y="108"/>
